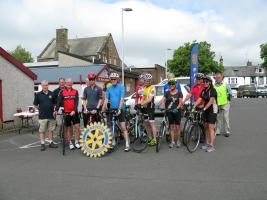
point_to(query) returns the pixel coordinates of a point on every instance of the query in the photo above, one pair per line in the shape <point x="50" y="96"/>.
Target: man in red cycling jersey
<point x="196" y="90"/>
<point x="69" y="98"/>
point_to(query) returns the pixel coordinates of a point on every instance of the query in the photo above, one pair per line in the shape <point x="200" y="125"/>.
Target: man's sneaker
<point x="171" y="145"/>
<point x="53" y="145"/>
<point x="205" y="146"/>
<point x="210" y="149"/>
<point x="77" y="146"/>
<point x="226" y="134"/>
<point x="71" y="146"/>
<point x="42" y="147"/>
<point x="127" y="149"/>
<point x="178" y="144"/>
<point x="153" y="142"/>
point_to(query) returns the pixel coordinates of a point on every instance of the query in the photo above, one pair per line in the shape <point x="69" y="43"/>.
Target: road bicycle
<point x="140" y="142"/>
<point x="164" y="130"/>
<point x="195" y="131"/>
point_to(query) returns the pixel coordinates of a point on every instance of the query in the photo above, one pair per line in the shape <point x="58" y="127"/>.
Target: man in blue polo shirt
<point x="115" y="94"/>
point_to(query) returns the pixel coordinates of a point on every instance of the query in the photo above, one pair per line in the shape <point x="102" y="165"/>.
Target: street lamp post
<point x="166" y="61"/>
<point x="122" y="42"/>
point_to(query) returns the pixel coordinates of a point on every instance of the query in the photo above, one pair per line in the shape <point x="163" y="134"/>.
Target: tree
<point x="263" y="55"/>
<point x="21" y="54"/>
<point x="180" y="64"/>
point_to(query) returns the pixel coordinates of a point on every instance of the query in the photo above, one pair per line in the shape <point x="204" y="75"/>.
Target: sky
<point x="234" y="28"/>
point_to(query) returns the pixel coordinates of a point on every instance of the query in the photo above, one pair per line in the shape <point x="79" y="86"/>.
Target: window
<point x="252" y="79"/>
<point x="261" y="80"/>
<point x="233" y="80"/>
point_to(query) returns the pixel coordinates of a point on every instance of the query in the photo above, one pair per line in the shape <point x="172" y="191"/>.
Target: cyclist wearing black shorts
<point x="209" y="95"/>
<point x="173" y="100"/>
<point x="69" y="98"/>
<point x="92" y="99"/>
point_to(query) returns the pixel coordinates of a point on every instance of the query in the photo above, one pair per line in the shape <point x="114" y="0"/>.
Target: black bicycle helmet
<point x="207" y="78"/>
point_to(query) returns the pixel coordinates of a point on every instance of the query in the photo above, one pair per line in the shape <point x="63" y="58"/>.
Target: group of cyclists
<point x="111" y="97"/>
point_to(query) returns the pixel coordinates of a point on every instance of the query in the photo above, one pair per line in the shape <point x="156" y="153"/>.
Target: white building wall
<point x="17" y="89"/>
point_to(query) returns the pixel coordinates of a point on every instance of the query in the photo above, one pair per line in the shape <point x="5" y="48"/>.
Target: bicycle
<point x="195" y="131"/>
<point x="186" y="126"/>
<point x="62" y="134"/>
<point x="163" y="131"/>
<point x="114" y="128"/>
<point x="140" y="142"/>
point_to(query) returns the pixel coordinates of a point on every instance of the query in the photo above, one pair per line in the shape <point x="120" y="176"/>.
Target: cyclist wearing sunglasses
<point x="173" y="100"/>
<point x="115" y="94"/>
<point x="209" y="96"/>
<point x="149" y="107"/>
<point x="92" y="97"/>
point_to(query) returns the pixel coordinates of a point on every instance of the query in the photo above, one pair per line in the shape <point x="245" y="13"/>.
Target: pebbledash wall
<point x="17" y="89"/>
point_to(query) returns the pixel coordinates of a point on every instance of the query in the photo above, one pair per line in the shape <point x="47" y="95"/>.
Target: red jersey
<point x="139" y="92"/>
<point x="196" y="91"/>
<point x="70" y="100"/>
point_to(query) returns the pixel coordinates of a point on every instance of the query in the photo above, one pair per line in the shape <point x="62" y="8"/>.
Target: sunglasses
<point x="171" y="83"/>
<point x="113" y="79"/>
<point x="91" y="79"/>
<point x="206" y="81"/>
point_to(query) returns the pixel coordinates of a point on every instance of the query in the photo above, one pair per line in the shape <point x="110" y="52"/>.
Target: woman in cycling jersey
<point x="209" y="96"/>
<point x="173" y="100"/>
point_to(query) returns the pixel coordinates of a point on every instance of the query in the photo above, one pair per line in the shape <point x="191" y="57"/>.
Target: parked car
<point x="261" y="91"/>
<point x="130" y="100"/>
<point x="247" y="91"/>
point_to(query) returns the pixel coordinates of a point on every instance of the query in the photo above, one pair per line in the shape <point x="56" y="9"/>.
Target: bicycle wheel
<point x="193" y="138"/>
<point x="185" y="131"/>
<point x="140" y="143"/>
<point x="161" y="132"/>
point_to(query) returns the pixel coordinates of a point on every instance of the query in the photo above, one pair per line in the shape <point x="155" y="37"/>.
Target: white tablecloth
<point x="26" y="114"/>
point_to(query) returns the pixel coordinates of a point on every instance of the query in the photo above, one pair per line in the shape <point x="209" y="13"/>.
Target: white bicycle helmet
<point x="114" y="75"/>
<point x="148" y="77"/>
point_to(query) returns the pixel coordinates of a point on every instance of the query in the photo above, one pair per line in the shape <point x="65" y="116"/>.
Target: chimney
<point x="61" y="41"/>
<point x="221" y="61"/>
<point x="249" y="63"/>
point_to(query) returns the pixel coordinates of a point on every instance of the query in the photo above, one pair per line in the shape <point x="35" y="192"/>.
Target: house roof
<point x="52" y="74"/>
<point x="240" y="71"/>
<point x="17" y="64"/>
<point x="79" y="46"/>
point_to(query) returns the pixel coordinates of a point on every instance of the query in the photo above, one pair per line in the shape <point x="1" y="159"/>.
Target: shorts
<point x="72" y="120"/>
<point x="121" y="117"/>
<point x="174" y="117"/>
<point x="210" y="117"/>
<point x="47" y="125"/>
<point x="150" y="112"/>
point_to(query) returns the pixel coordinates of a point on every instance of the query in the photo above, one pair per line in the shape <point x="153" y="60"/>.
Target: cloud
<point x="234" y="29"/>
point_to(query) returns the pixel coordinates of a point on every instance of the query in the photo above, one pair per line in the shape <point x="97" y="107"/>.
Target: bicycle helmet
<point x="142" y="76"/>
<point x="91" y="75"/>
<point x="148" y="77"/>
<point x="207" y="78"/>
<point x="114" y="75"/>
<point x="200" y="76"/>
<point x="172" y="82"/>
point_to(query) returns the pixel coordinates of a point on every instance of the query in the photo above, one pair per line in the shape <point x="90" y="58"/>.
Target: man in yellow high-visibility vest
<point x="224" y="95"/>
